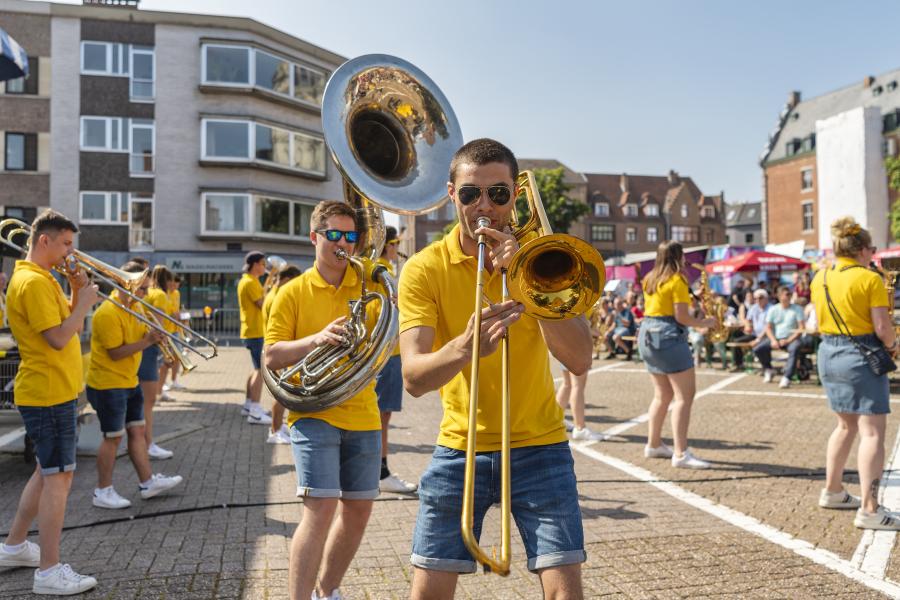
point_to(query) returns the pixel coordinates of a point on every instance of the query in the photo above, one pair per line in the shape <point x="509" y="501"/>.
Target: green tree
<point x="562" y="210"/>
<point x="892" y="166"/>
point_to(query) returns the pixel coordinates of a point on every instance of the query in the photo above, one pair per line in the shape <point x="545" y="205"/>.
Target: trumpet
<point x="125" y="284"/>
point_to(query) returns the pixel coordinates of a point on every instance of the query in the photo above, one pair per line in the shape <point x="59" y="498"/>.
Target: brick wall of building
<point x="785" y="200"/>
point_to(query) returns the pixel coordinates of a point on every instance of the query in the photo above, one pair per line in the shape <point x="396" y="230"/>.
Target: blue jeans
<point x="544" y="505"/>
<point x="763" y="352"/>
<point x="149" y="369"/>
<point x="389" y="386"/>
<point x="54" y="433"/>
<point x="255" y="346"/>
<point x="117" y="409"/>
<point x="335" y="463"/>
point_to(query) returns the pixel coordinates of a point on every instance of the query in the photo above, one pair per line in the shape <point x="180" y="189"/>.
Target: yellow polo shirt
<point x="304" y="306"/>
<point x="437" y="290"/>
<point x="854" y="292"/>
<point x="669" y="293"/>
<point x="112" y="327"/>
<point x="159" y="300"/>
<point x="390" y="267"/>
<point x="35" y="302"/>
<point x="267" y="306"/>
<point x="249" y="291"/>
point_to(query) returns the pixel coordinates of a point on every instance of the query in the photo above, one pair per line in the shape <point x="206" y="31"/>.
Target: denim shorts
<point x="255" y="346"/>
<point x="149" y="369"/>
<point x="850" y="385"/>
<point x="544" y="505"/>
<point x="389" y="386"/>
<point x="117" y="409"/>
<point x="664" y="347"/>
<point x="53" y="431"/>
<point x="335" y="463"/>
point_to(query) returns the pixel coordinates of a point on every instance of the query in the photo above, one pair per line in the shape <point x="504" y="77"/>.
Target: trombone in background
<point x="274" y="265"/>
<point x="555" y="276"/>
<point x="125" y="284"/>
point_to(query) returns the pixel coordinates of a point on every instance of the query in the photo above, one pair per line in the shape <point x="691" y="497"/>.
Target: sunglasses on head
<point x="334" y="235"/>
<point x="498" y="194"/>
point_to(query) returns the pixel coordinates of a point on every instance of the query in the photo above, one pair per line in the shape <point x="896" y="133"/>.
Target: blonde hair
<point x="669" y="256"/>
<point x="849" y="238"/>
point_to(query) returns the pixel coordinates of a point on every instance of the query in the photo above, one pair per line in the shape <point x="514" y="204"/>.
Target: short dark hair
<point x="51" y="222"/>
<point x="330" y="208"/>
<point x="783" y="288"/>
<point x="288" y="272"/>
<point x="162" y="276"/>
<point x="481" y="152"/>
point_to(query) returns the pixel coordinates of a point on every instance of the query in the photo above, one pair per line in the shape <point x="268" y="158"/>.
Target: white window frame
<point x="131" y="79"/>
<point x="251" y="72"/>
<point x="250" y="217"/>
<point x="631" y="210"/>
<point x="140" y="197"/>
<point x="631" y="235"/>
<point x="655" y="236"/>
<point x="684" y="211"/>
<point x="131" y="154"/>
<point x="812" y="215"/>
<point x="108" y="143"/>
<point x="111" y="47"/>
<point x="601" y="213"/>
<point x="651" y="210"/>
<point x="250" y="157"/>
<point x="812" y="185"/>
<point x="708" y="212"/>
<point x="107" y="219"/>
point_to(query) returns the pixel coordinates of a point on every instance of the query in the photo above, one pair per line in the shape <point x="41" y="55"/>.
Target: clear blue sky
<point x="634" y="86"/>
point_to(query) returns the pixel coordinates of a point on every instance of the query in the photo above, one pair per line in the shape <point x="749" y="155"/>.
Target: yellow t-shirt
<point x="267" y="306"/>
<point x="854" y="292"/>
<point x="304" y="306"/>
<point x="159" y="300"/>
<point x="112" y="327"/>
<point x="249" y="291"/>
<point x="36" y="303"/>
<point x="390" y="267"/>
<point x="669" y="293"/>
<point x="437" y="290"/>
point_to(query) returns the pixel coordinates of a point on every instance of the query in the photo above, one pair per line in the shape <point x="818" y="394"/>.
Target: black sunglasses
<point x="498" y="194"/>
<point x="334" y="235"/>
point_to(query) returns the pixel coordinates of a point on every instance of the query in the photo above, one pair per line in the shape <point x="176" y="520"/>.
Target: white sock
<point x="13" y="549"/>
<point x="46" y="572"/>
<point x="146" y="483"/>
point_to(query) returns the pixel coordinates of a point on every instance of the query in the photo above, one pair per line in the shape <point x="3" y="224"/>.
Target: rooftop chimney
<point x="794" y="98"/>
<point x="673" y="177"/>
<point x="868" y="81"/>
<point x="623" y="183"/>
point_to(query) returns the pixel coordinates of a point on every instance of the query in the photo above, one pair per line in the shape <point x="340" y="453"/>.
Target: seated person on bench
<point x="624" y="326"/>
<point x="784" y="326"/>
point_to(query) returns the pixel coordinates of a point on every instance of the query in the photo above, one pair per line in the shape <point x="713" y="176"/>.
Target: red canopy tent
<point x="893" y="252"/>
<point x="756" y="260"/>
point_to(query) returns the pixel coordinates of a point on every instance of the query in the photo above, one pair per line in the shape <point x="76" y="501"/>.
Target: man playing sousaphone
<point x="436" y="330"/>
<point x="337" y="451"/>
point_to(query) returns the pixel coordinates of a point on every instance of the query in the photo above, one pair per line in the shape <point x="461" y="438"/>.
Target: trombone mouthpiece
<point x="483" y="222"/>
<point x="341" y="253"/>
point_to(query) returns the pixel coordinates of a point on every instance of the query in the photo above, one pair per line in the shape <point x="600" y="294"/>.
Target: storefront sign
<point x="205" y="264"/>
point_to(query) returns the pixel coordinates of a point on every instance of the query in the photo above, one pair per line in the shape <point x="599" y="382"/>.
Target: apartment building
<point x="824" y="159"/>
<point x="187" y="139"/>
<point x="743" y="224"/>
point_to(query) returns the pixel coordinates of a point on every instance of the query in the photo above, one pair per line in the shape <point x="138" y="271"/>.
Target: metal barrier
<point x="223" y="325"/>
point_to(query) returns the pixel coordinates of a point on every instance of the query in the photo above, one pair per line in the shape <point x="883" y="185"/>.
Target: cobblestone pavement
<point x="748" y="528"/>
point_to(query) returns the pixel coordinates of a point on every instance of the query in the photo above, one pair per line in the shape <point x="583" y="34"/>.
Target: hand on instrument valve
<point x="86" y="295"/>
<point x="502" y="246"/>
<point x="333" y="334"/>
<point x="154" y="336"/>
<point x="78" y="279"/>
<point x="709" y="323"/>
<point x="495" y="320"/>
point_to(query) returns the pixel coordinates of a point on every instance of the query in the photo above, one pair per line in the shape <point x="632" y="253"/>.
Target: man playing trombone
<point x="117" y="342"/>
<point x="436" y="331"/>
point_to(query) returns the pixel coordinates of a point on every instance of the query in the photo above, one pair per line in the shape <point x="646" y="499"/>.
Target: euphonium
<point x="392" y="135"/>
<point x="712" y="308"/>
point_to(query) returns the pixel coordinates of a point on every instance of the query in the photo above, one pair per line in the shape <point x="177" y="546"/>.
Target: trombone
<point x="123" y="283"/>
<point x="555" y="276"/>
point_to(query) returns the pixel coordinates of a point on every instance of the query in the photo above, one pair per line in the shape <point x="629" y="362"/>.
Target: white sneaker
<point x="245" y="410"/>
<point x="689" y="461"/>
<point x="585" y="434"/>
<point x="278" y="437"/>
<point x="258" y="416"/>
<point x="159" y="453"/>
<point x="880" y="519"/>
<point x="842" y="499"/>
<point x="334" y="595"/>
<point x="28" y="555"/>
<point x="109" y="498"/>
<point x="784" y="383"/>
<point x="286" y="430"/>
<point x="662" y="452"/>
<point x="165" y="397"/>
<point x="166" y="387"/>
<point x="178" y="387"/>
<point x="569" y="424"/>
<point x="767" y="376"/>
<point x="158" y="484"/>
<point x="62" y="581"/>
<point x="394" y="484"/>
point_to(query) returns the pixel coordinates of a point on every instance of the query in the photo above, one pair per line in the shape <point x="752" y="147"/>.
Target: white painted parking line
<point x="874" y="550"/>
<point x="782" y="394"/>
<point x="745" y="522"/>
<point x="12" y="436"/>
<point x="611" y="367"/>
<point x="638" y="370"/>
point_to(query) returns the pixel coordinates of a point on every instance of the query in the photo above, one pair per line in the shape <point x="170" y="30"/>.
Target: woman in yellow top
<point x="860" y="399"/>
<point x="152" y="370"/>
<point x="664" y="347"/>
<point x="278" y="433"/>
<point x="174" y="296"/>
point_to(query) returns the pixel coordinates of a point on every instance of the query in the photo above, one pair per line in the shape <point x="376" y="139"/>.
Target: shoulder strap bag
<point x="876" y="356"/>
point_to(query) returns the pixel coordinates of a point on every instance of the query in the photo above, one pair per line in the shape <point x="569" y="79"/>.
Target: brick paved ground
<point x="641" y="542"/>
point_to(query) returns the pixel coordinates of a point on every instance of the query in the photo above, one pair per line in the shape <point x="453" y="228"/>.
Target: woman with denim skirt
<point x="663" y="342"/>
<point x="858" y="307"/>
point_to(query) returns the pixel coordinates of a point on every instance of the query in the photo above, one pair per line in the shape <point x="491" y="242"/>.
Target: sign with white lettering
<point x="199" y="263"/>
